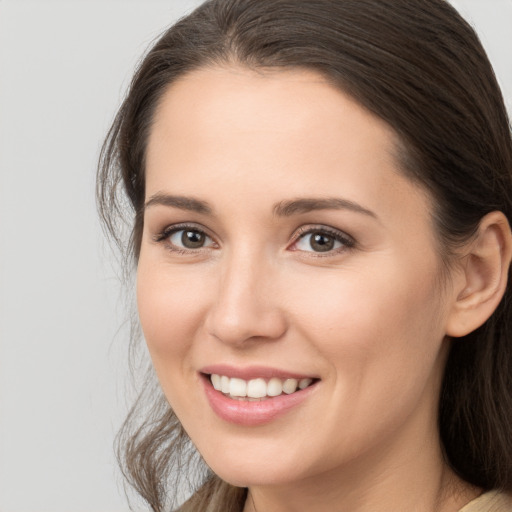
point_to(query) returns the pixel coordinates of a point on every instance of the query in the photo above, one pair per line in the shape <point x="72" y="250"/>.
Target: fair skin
<point x="364" y="308"/>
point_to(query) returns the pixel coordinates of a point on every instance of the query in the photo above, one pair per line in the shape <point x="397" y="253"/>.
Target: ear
<point x="482" y="281"/>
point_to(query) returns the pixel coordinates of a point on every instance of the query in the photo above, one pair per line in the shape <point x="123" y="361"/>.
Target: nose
<point x="246" y="306"/>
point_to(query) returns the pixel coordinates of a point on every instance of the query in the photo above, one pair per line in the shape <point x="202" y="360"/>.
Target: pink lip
<point x="252" y="372"/>
<point x="248" y="414"/>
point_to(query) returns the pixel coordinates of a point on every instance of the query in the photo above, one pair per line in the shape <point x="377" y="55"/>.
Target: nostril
<point x="246" y="325"/>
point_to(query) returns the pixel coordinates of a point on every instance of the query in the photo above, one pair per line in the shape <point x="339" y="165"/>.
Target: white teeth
<point x="216" y="382"/>
<point x="274" y="387"/>
<point x="304" y="383"/>
<point x="237" y="387"/>
<point x="257" y="389"/>
<point x="224" y="384"/>
<point x="290" y="386"/>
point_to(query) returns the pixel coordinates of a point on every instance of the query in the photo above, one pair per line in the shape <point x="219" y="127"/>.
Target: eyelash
<point x="163" y="237"/>
<point x="345" y="240"/>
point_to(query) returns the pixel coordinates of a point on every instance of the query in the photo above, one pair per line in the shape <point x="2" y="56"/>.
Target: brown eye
<point x="190" y="239"/>
<point x="321" y="242"/>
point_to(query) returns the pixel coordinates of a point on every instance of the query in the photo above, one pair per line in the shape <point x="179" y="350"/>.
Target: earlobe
<point x="483" y="277"/>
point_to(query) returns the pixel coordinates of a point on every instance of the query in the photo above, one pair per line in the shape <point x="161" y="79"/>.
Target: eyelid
<point x="347" y="241"/>
<point x="164" y="235"/>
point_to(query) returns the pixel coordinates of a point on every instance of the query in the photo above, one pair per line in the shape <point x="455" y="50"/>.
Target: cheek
<point x="171" y="315"/>
<point x="356" y="297"/>
<point x="380" y="323"/>
<point x="380" y="334"/>
<point x="170" y="311"/>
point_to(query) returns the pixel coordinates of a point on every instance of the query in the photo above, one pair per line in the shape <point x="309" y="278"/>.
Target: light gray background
<point x="64" y="66"/>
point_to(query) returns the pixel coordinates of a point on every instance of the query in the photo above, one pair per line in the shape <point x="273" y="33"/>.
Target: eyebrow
<point x="305" y="205"/>
<point x="183" y="203"/>
<point x="281" y="209"/>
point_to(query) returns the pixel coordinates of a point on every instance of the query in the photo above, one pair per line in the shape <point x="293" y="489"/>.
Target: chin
<point x="256" y="465"/>
<point x="249" y="474"/>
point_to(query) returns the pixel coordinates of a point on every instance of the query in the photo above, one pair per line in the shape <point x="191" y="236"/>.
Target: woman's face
<point x="282" y="248"/>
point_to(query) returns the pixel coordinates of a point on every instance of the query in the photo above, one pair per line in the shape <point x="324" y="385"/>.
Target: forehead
<point x="217" y="101"/>
<point x="284" y="132"/>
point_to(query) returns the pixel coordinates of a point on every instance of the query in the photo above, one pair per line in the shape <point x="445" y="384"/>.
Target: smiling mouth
<point x="250" y="397"/>
<point x="258" y="389"/>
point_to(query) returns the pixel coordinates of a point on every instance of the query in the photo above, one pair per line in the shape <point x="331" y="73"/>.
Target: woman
<point x="321" y="194"/>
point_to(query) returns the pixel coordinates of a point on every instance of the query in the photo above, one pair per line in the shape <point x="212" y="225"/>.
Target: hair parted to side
<point x="420" y="67"/>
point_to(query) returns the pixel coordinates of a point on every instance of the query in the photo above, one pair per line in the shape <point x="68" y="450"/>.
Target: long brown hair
<point x="420" y="67"/>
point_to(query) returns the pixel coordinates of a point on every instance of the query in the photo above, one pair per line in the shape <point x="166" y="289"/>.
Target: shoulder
<point x="493" y="501"/>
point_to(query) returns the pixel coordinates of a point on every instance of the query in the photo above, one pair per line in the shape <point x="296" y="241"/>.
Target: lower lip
<point x="250" y="414"/>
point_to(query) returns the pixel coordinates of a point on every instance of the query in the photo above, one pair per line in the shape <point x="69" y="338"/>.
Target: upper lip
<point x="253" y="372"/>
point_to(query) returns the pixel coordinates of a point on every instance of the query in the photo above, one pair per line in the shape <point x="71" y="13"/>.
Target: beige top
<point x="493" y="501"/>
